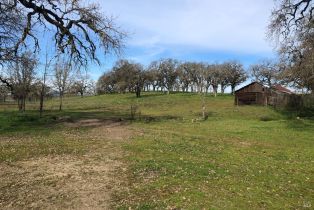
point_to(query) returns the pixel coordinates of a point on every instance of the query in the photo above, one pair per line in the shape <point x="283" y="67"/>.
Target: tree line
<point x="170" y="75"/>
<point x="27" y="84"/>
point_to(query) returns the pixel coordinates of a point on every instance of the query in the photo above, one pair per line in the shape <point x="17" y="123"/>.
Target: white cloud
<point x="236" y="26"/>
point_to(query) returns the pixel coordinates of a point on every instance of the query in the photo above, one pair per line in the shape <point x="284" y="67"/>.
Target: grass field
<point x="92" y="155"/>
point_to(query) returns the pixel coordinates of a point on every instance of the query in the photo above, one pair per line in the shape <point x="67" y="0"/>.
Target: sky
<point x="190" y="30"/>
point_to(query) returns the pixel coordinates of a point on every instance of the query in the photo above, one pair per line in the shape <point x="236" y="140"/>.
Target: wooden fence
<point x="292" y="101"/>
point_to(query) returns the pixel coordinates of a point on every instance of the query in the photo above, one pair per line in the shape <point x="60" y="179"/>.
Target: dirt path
<point x="68" y="181"/>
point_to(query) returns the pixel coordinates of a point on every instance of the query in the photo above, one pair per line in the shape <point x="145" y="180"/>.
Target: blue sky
<point x="192" y="30"/>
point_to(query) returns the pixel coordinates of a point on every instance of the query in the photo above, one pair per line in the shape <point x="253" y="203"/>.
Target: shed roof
<point x="282" y="89"/>
<point x="252" y="83"/>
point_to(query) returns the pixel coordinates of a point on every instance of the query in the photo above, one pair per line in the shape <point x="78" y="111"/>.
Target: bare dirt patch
<point x="110" y="129"/>
<point x="115" y="131"/>
<point x="68" y="181"/>
<point x="59" y="182"/>
<point x="94" y="123"/>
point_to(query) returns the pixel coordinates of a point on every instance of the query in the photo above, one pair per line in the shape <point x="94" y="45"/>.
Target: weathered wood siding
<point x="291" y="101"/>
<point x="254" y="87"/>
<point x="253" y="93"/>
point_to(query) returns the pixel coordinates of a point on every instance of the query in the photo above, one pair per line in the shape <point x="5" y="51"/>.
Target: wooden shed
<point x="283" y="97"/>
<point x="254" y="93"/>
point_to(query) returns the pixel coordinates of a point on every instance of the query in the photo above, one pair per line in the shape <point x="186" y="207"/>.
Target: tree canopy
<point x="292" y="27"/>
<point x="78" y="28"/>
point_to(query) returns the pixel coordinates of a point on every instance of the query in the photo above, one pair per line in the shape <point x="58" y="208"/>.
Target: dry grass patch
<point x="68" y="181"/>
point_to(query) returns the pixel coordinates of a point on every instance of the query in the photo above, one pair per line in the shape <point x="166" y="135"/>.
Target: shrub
<point x="266" y="118"/>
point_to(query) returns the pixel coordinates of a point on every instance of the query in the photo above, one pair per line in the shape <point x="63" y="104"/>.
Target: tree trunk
<point x="198" y="89"/>
<point x="41" y="102"/>
<point x="203" y="107"/>
<point x="207" y="88"/>
<point x="269" y="83"/>
<point x="24" y="103"/>
<point x="138" y="91"/>
<point x="215" y="88"/>
<point x="232" y="89"/>
<point x="222" y="89"/>
<point x="311" y="88"/>
<point x="61" y="102"/>
<point x="20" y="103"/>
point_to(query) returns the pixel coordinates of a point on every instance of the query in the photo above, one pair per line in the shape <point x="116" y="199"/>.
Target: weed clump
<point x="135" y="112"/>
<point x="266" y="118"/>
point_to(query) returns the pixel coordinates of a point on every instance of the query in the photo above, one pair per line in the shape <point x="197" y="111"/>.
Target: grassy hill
<point x="247" y="157"/>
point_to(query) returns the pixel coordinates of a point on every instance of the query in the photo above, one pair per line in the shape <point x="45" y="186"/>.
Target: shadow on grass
<point x="159" y="93"/>
<point x="30" y="123"/>
<point x="151" y="119"/>
<point x="146" y="95"/>
<point x="306" y="113"/>
<point x="301" y="125"/>
<point x="300" y="120"/>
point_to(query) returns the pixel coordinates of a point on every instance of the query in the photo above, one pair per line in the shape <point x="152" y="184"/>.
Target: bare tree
<point x="301" y="76"/>
<point x="79" y="29"/>
<point x="62" y="72"/>
<point x="265" y="72"/>
<point x="107" y="83"/>
<point x="291" y="20"/>
<point x="12" y="23"/>
<point x="213" y="77"/>
<point x="184" y="76"/>
<point x="168" y="73"/>
<point x="208" y="77"/>
<point x="235" y="73"/>
<point x="223" y="77"/>
<point x="192" y="74"/>
<point x="4" y="92"/>
<point x="140" y="78"/>
<point x="152" y="75"/>
<point x="199" y="80"/>
<point x="92" y="87"/>
<point x="43" y="83"/>
<point x="129" y="76"/>
<point x="81" y="83"/>
<point x="22" y="75"/>
<point x="292" y="28"/>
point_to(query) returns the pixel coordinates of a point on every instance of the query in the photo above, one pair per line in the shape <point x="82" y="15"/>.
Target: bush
<point x="266" y="118"/>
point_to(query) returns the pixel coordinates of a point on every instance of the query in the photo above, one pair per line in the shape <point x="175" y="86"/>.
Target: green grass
<point x="247" y="157"/>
